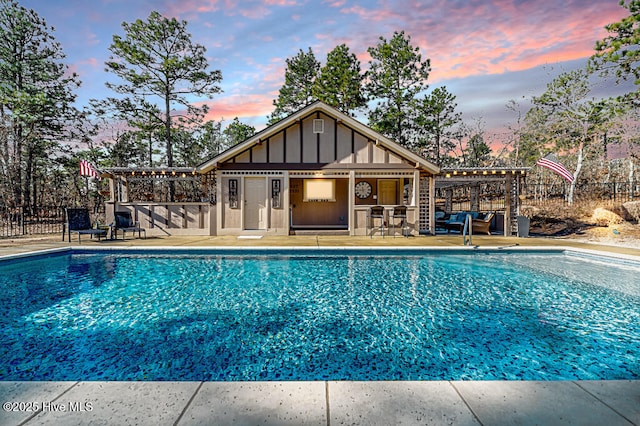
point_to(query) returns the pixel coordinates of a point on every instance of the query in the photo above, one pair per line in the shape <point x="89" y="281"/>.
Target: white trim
<point x="351" y="215"/>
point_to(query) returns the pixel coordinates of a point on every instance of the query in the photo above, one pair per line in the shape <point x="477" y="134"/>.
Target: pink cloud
<point x="280" y="2"/>
<point x="241" y="106"/>
<point x="373" y="15"/>
<point x="488" y="38"/>
<point x="190" y="8"/>
<point x="335" y="3"/>
<point x="254" y="12"/>
<point x="92" y="62"/>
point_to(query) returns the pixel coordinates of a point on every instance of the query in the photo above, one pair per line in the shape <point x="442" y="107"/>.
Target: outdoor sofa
<point x="481" y="222"/>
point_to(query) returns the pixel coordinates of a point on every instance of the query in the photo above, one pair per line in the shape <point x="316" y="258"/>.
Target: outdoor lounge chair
<point x="79" y="221"/>
<point x="483" y="225"/>
<point x="123" y="222"/>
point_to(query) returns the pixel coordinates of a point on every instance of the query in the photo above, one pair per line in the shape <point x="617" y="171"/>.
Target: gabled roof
<point x="332" y="112"/>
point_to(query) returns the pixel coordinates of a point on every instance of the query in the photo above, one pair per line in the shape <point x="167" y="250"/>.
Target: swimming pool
<point x="319" y="315"/>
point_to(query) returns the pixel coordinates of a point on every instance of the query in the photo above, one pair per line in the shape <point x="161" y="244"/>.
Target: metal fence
<point x="20" y="221"/>
<point x="607" y="192"/>
<point x="40" y="220"/>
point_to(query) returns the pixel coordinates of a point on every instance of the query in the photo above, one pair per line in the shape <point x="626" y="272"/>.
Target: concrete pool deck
<point x="323" y="403"/>
<point x="319" y="403"/>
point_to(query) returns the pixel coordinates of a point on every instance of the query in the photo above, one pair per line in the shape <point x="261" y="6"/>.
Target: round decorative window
<point x="363" y="189"/>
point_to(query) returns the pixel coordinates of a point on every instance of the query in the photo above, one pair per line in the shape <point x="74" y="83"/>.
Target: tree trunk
<point x="572" y="187"/>
<point x="16" y="177"/>
<point x="631" y="176"/>
<point x="28" y="176"/>
<point x="167" y="128"/>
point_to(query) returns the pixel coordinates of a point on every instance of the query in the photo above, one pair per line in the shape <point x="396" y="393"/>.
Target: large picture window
<point x="319" y="190"/>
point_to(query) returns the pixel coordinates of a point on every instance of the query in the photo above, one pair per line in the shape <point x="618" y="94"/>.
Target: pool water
<point x="325" y="316"/>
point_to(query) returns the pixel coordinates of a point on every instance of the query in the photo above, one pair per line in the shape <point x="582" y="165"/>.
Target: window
<point x="387" y="191"/>
<point x="319" y="190"/>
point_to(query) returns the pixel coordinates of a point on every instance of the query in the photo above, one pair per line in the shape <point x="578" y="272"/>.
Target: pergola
<point x="495" y="189"/>
<point x="122" y="178"/>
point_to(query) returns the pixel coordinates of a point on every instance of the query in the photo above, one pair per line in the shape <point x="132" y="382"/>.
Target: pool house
<point x="316" y="171"/>
<point x="319" y="170"/>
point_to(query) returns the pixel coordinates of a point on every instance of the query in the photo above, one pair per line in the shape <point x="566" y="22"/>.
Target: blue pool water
<point x="319" y="316"/>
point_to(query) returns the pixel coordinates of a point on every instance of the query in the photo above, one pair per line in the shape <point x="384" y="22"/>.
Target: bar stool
<point x="376" y="213"/>
<point x="400" y="212"/>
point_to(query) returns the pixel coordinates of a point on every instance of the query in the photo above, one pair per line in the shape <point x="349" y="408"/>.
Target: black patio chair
<point x="123" y="222"/>
<point x="79" y="221"/>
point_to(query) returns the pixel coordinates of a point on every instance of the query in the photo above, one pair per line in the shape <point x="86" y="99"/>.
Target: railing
<point x="467" y="231"/>
<point x="19" y="221"/>
<point x="541" y="194"/>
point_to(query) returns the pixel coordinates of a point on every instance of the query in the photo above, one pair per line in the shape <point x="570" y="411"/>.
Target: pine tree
<point x="618" y="53"/>
<point x="297" y="90"/>
<point x="36" y="102"/>
<point x="339" y="83"/>
<point x="397" y="74"/>
<point x="160" y="68"/>
<point x="436" y="120"/>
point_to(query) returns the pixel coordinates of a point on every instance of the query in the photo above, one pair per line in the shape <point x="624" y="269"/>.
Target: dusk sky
<point x="485" y="52"/>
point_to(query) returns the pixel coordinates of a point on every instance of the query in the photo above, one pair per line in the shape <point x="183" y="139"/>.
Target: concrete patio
<point x="321" y="403"/>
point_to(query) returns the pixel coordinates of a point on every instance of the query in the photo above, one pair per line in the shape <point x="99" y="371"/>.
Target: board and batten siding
<point x="338" y="144"/>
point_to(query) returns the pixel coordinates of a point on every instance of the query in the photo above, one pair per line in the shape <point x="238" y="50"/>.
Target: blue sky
<point x="485" y="52"/>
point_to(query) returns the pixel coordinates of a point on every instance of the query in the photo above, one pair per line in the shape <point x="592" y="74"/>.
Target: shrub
<point x="603" y="217"/>
<point x="632" y="210"/>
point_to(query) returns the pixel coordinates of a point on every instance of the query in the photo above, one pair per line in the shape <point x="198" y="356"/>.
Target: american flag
<point x="550" y="161"/>
<point x="87" y="169"/>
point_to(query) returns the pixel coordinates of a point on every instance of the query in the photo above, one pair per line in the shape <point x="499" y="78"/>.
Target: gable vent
<point x="318" y="126"/>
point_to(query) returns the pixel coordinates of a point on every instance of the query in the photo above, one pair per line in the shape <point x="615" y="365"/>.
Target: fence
<point x="539" y="194"/>
<point x="20" y="221"/>
<point x="29" y="221"/>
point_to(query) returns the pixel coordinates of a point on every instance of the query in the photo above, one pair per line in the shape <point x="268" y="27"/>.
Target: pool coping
<point x="322" y="403"/>
<point x="339" y="249"/>
<point x="325" y="402"/>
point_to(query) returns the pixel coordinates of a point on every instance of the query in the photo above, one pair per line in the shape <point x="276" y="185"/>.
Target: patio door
<point x="255" y="203"/>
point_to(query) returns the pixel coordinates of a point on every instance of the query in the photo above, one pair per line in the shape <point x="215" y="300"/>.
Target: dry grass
<point x="592" y="221"/>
